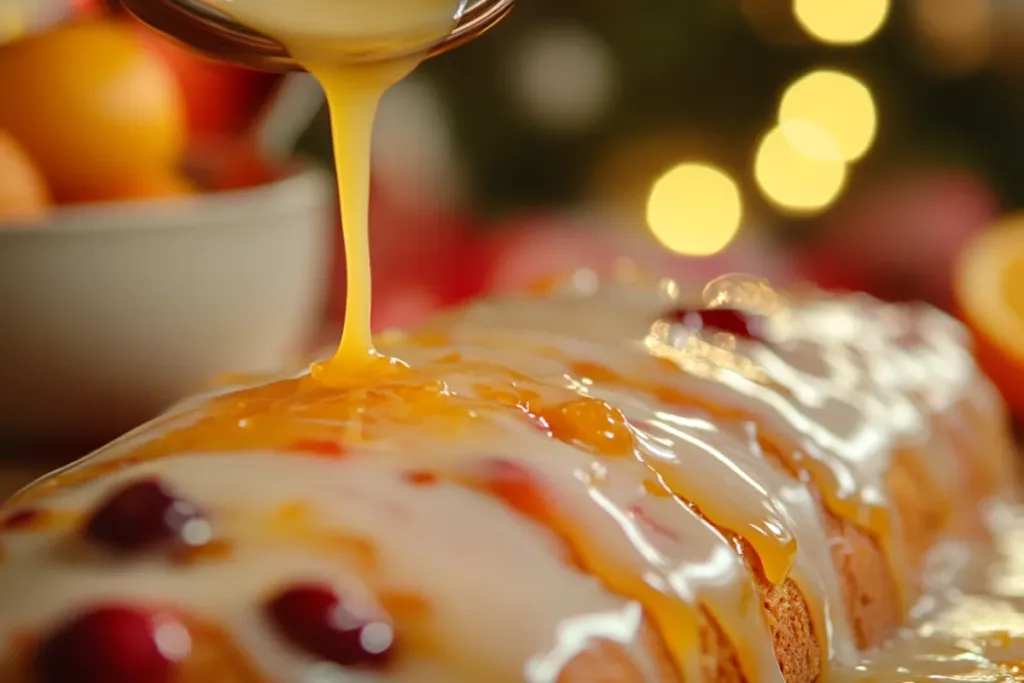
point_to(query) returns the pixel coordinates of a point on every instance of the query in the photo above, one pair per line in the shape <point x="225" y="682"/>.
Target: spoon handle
<point x="287" y="115"/>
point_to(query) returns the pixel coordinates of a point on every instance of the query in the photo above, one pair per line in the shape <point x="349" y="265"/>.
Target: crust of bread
<point x="870" y="590"/>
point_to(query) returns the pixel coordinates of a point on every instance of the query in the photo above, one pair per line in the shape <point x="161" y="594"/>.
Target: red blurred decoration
<point x="221" y="100"/>
<point x="429" y="258"/>
<point x="89" y="8"/>
<point x="898" y="237"/>
<point x="426" y="258"/>
<point x="751" y="254"/>
<point x="231" y="164"/>
<point x="525" y="249"/>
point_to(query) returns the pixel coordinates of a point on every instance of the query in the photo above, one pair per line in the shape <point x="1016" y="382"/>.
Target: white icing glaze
<point x="845" y="384"/>
<point x="970" y="626"/>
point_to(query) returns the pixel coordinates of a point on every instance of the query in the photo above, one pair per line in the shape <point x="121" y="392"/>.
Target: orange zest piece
<point x="217" y="550"/>
<point x="31" y="520"/>
<point x="422" y="478"/>
<point x="989" y="288"/>
<point x="316" y="447"/>
<point x="592" y="424"/>
<point x="525" y="493"/>
<point x="515" y="486"/>
<point x="404" y="604"/>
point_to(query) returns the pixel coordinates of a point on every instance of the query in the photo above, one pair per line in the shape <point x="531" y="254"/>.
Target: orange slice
<point x="989" y="282"/>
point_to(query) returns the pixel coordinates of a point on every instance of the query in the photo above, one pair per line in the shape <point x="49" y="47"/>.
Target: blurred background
<point x="858" y="144"/>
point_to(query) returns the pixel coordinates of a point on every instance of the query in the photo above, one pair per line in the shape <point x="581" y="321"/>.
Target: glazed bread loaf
<point x="603" y="484"/>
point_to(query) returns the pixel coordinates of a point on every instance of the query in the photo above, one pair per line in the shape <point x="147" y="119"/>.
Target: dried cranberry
<point x="113" y="644"/>
<point x="144" y="514"/>
<point x="730" y="320"/>
<point x="316" y="447"/>
<point x="525" y="492"/>
<point x="315" y="619"/>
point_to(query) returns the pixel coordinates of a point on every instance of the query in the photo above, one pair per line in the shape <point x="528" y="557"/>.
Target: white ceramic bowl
<point x="110" y="313"/>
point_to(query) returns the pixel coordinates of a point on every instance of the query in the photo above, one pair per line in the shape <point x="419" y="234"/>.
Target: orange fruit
<point x="157" y="185"/>
<point x="154" y="184"/>
<point x="24" y="195"/>
<point x="92" y="105"/>
<point x="989" y="284"/>
<point x="220" y="99"/>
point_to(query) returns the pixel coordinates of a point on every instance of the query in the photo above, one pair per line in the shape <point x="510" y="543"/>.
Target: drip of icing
<point x="353" y="95"/>
<point x="799" y="390"/>
<point x="723" y="474"/>
<point x="350" y="47"/>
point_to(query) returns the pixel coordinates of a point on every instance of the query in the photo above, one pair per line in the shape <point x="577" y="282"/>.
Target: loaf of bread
<point x="603" y="484"/>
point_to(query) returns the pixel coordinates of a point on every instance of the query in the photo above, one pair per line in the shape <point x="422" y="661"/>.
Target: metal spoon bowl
<point x="215" y="34"/>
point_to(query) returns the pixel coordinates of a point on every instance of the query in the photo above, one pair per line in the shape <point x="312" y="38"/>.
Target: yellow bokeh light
<point x="841" y="22"/>
<point x="839" y="104"/>
<point x="695" y="209"/>
<point x="800" y="168"/>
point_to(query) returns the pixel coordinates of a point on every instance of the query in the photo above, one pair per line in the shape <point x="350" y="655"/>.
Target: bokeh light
<point x="695" y="209"/>
<point x="838" y="103"/>
<point x="841" y="22"/>
<point x="800" y="167"/>
<point x="957" y="35"/>
<point x="564" y="77"/>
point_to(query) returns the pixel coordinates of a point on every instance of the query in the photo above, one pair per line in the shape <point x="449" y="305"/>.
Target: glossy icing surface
<point x="539" y="474"/>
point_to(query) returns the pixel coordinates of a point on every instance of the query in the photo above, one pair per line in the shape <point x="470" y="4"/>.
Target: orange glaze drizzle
<point x="593" y="425"/>
<point x="773" y="545"/>
<point x="676" y="620"/>
<point x="879" y="520"/>
<point x="28" y="520"/>
<point x="306" y="417"/>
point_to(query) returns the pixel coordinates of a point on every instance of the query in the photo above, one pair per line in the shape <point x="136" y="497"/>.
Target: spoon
<point x="214" y="33"/>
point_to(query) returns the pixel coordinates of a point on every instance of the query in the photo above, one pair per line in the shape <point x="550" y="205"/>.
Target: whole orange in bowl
<point x="24" y="195"/>
<point x="93" y="106"/>
<point x="148" y="185"/>
<point x="989" y="285"/>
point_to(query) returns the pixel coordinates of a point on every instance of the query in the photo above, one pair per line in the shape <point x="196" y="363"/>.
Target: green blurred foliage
<point x="701" y="68"/>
